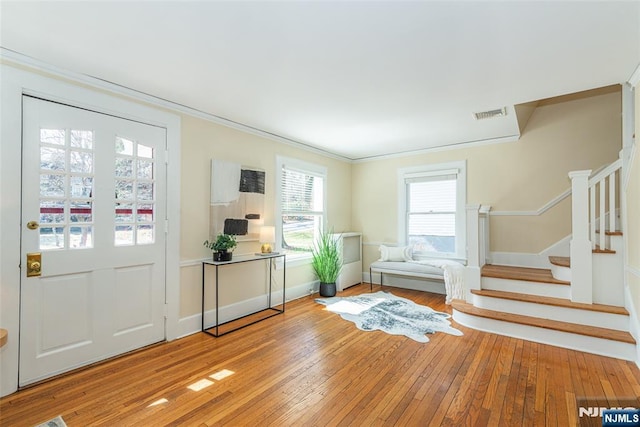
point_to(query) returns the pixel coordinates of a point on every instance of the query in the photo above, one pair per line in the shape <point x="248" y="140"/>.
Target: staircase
<point x="578" y="302"/>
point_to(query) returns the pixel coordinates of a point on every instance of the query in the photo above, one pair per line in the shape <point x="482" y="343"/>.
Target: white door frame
<point x="14" y="83"/>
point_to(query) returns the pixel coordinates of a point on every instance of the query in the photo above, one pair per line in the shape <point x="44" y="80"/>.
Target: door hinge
<point x="166" y="157"/>
<point x="166" y="226"/>
<point x="166" y="311"/>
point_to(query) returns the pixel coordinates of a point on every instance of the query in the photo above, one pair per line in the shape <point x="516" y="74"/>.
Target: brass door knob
<point x="33" y="225"/>
<point x="34" y="266"/>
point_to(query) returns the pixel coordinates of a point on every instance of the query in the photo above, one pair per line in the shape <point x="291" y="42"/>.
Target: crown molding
<point x="11" y="57"/>
<point x="635" y="77"/>
<point x="460" y="145"/>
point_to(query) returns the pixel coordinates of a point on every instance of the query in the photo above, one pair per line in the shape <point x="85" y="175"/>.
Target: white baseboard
<point x="192" y="324"/>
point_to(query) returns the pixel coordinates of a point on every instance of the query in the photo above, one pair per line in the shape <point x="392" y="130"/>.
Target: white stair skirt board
<point x="608" y="275"/>
<point x="600" y="319"/>
<point x="526" y="287"/>
<point x="600" y="346"/>
<point x="561" y="273"/>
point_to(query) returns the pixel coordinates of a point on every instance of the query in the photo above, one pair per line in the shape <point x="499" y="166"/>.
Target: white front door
<point x="94" y="207"/>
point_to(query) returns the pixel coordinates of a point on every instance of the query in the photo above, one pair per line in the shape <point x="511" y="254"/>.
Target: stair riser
<point x="561" y="273"/>
<point x="571" y="341"/>
<point x="524" y="287"/>
<point x="563" y="314"/>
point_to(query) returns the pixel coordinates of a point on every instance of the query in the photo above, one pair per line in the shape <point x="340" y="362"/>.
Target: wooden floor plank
<point x="310" y="367"/>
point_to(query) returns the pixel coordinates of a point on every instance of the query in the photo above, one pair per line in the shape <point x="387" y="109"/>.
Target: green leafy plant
<point x="326" y="258"/>
<point x="223" y="242"/>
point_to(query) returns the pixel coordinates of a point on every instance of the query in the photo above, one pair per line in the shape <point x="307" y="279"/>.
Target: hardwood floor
<point x="310" y="367"/>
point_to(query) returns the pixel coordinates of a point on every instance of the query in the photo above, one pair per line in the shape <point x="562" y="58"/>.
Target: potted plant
<point x="222" y="246"/>
<point x="326" y="263"/>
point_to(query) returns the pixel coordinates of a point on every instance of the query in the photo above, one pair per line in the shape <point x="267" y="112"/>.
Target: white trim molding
<point x="634" y="80"/>
<point x="560" y="197"/>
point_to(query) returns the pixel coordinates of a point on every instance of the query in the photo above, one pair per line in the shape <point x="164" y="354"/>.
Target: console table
<point x="238" y="260"/>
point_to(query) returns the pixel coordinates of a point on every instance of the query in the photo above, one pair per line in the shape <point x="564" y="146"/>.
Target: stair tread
<point x="562" y="261"/>
<point x="558" y="302"/>
<point x="597" y="250"/>
<point x="611" y="233"/>
<point x="591" y="331"/>
<point x="538" y="275"/>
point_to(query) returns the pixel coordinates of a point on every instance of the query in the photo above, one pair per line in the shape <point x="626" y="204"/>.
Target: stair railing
<point x="593" y="212"/>
<point x="602" y="204"/>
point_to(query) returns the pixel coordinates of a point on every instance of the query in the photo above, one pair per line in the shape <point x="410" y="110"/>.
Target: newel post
<point x="473" y="251"/>
<point x="581" y="255"/>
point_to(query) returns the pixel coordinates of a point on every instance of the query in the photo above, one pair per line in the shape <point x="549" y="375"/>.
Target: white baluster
<point x="603" y="194"/>
<point x="612" y="202"/>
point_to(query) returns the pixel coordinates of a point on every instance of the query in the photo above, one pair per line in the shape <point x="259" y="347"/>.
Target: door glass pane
<point x="52" y="159"/>
<point x="82" y="139"/>
<point x="144" y="234"/>
<point x="51" y="238"/>
<point x="81" y="212"/>
<point x="124" y="146"/>
<point x="124" y="190"/>
<point x="66" y="188"/>
<point x="135" y="184"/>
<point x="81" y="161"/>
<point x="81" y="186"/>
<point x="81" y="236"/>
<point x="145" y="213"/>
<point x="51" y="211"/>
<point x="52" y="136"/>
<point x="124" y="235"/>
<point x="145" y="169"/>
<point x="145" y="151"/>
<point x="52" y="185"/>
<point x="145" y="191"/>
<point x="124" y="167"/>
<point x="124" y="212"/>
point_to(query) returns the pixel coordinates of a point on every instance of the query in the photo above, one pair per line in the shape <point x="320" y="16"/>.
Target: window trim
<point x="304" y="167"/>
<point x="460" y="168"/>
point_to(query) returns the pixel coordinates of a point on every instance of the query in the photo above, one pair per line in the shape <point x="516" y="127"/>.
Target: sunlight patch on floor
<point x="199" y="385"/>
<point x="220" y="375"/>
<point x="158" y="402"/>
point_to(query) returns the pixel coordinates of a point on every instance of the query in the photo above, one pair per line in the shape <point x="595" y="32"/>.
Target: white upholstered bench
<point x="409" y="269"/>
<point x="450" y="272"/>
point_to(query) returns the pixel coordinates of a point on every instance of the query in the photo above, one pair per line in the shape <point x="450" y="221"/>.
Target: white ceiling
<point x="357" y="79"/>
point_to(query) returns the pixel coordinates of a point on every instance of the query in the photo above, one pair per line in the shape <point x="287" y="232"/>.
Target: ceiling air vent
<point x="491" y="113"/>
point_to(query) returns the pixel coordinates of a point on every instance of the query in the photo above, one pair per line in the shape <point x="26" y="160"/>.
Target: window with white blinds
<point x="301" y="196"/>
<point x="434" y="210"/>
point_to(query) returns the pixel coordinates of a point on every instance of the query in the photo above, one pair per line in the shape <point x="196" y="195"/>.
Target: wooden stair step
<point x="557" y="302"/>
<point x="597" y="250"/>
<point x="611" y="233"/>
<point x="538" y="275"/>
<point x="573" y="328"/>
<point x="561" y="261"/>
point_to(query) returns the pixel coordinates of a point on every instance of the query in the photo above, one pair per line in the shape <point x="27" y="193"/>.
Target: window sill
<point x="297" y="260"/>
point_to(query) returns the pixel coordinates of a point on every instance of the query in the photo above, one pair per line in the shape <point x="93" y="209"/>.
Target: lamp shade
<point x="267" y="234"/>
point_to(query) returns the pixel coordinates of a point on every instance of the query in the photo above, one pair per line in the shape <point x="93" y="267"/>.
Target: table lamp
<point x="267" y="237"/>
